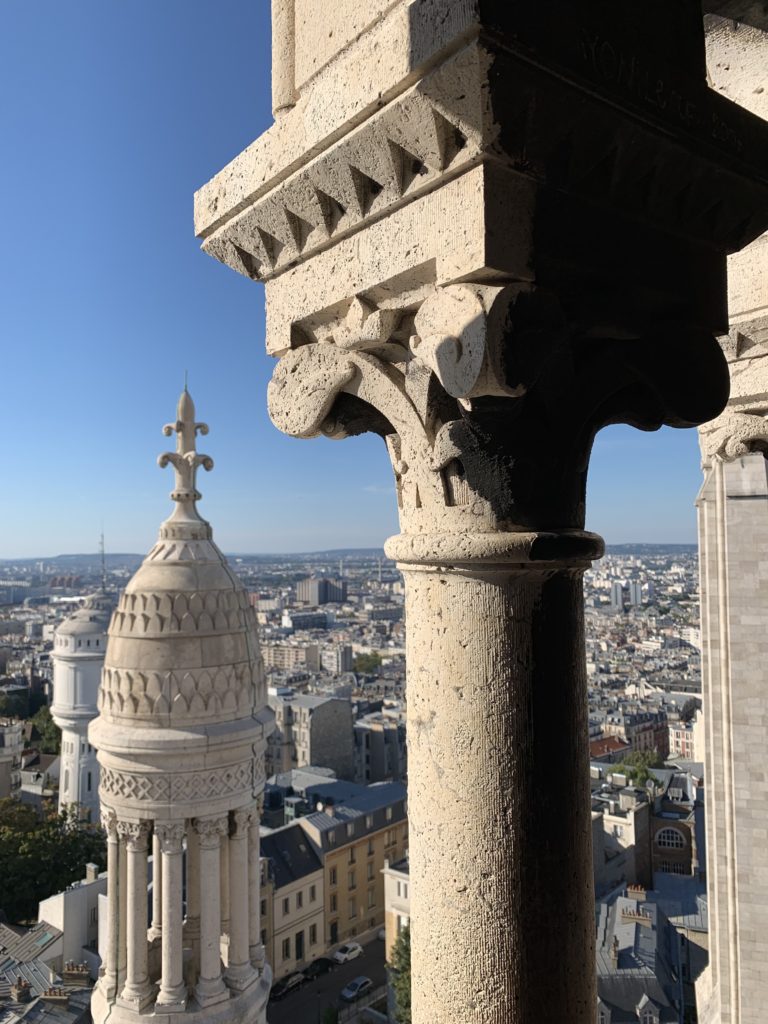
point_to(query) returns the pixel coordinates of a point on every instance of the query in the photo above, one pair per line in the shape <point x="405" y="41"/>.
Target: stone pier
<point x="486" y="230"/>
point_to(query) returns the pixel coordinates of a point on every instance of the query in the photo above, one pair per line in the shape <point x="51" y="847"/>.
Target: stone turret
<point x="79" y="646"/>
<point x="180" y="737"/>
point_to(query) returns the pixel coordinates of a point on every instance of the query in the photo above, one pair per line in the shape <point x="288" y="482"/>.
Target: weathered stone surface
<point x="484" y="240"/>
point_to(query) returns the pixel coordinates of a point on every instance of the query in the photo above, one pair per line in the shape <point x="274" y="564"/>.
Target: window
<point x="313" y="935"/>
<point x="312" y="893"/>
<point x="389" y="814"/>
<point x="299" y="900"/>
<point x="351" y="909"/>
<point x="332" y="876"/>
<point x="371" y="899"/>
<point x="93" y="915"/>
<point x="369" y="821"/>
<point x="263" y="908"/>
<point x="287" y="905"/>
<point x="670" y="839"/>
<point x="350" y="831"/>
<point x="351" y="879"/>
<point x="334" y="904"/>
<point x="405" y="890"/>
<point x="352" y="857"/>
<point x="263" y="936"/>
<point x="332" y="837"/>
<point x="399" y="888"/>
<point x="370" y="872"/>
<point x="370" y="847"/>
<point x="672" y="867"/>
<point x="286" y="949"/>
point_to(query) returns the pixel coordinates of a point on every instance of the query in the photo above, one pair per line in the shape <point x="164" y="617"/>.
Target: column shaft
<point x="137" y="990"/>
<point x="157" y="889"/>
<point x="122" y="941"/>
<point x="498" y="797"/>
<point x="256" y="949"/>
<point x="210" y="985"/>
<point x="113" y="906"/>
<point x="192" y="920"/>
<point x="173" y="993"/>
<point x="239" y="973"/>
<point x="224" y="884"/>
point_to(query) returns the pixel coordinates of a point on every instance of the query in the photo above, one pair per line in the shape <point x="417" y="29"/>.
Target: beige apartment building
<point x="397" y="902"/>
<point x="311" y="730"/>
<point x="354" y="840"/>
<point x="292" y="900"/>
<point x="11" y="745"/>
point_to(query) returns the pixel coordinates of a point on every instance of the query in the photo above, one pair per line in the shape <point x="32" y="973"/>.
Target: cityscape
<point x="332" y="631"/>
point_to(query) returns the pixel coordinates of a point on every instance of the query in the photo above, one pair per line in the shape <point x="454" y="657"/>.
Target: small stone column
<point x="210" y="987"/>
<point x="137" y="992"/>
<point x="224" y="886"/>
<point x="239" y="974"/>
<point x="172" y="997"/>
<point x="157" y="890"/>
<point x="108" y="981"/>
<point x="256" y="949"/>
<point x="192" y="920"/>
<point x="122" y="942"/>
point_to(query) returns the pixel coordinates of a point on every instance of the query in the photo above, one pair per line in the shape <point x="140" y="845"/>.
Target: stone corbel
<point x="733" y="435"/>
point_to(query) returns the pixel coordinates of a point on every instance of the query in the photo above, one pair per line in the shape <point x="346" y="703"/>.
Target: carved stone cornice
<point x="490" y="405"/>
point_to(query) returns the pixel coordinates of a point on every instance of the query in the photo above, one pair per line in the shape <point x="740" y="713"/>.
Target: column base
<point x="107" y="985"/>
<point x="210" y="991"/>
<point x="154" y="934"/>
<point x="136" y="999"/>
<point x="172" y="1000"/>
<point x="257" y="954"/>
<point x="240" y="976"/>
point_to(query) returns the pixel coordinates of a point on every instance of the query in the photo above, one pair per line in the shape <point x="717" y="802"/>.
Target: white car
<point x="348" y="952"/>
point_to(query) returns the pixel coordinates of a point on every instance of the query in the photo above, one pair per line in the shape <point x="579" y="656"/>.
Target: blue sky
<point x="113" y="112"/>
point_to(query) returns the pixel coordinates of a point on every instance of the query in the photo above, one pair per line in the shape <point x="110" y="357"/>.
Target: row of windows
<point x="297" y="944"/>
<point x="333" y="876"/>
<point x="352" y="903"/>
<point x="350" y="828"/>
<point x="298" y="900"/>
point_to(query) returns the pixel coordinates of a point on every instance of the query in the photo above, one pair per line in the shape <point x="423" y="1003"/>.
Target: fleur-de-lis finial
<point x="186" y="458"/>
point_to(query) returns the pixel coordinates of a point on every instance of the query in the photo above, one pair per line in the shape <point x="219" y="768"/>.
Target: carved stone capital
<point x="171" y="835"/>
<point x="241" y="823"/>
<point x="135" y="834"/>
<point x="211" y="830"/>
<point x="109" y="823"/>
<point x="489" y="405"/>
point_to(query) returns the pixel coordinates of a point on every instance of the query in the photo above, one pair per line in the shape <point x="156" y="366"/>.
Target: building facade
<point x="11" y="747"/>
<point x="311" y="731"/>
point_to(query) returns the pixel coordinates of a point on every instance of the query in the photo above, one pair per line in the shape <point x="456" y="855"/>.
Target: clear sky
<point x="113" y="112"/>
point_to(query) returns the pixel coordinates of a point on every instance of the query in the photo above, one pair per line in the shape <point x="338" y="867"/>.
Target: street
<point x="305" y="1005"/>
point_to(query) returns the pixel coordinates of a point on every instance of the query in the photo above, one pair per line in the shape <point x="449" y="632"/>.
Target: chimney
<point x="615" y="951"/>
<point x="91" y="872"/>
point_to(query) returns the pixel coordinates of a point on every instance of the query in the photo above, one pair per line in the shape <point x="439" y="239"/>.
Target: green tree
<point x="14" y="705"/>
<point x="637" y="765"/>
<point x="50" y="734"/>
<point x="400" y="976"/>
<point x="367" y="663"/>
<point x="40" y="858"/>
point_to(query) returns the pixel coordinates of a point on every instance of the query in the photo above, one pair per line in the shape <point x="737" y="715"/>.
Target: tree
<point x="40" y="858"/>
<point x="400" y="974"/>
<point x="637" y="765"/>
<point x="50" y="734"/>
<point x="367" y="663"/>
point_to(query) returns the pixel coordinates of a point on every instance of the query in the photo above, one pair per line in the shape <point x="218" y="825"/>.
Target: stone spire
<point x="180" y="737"/>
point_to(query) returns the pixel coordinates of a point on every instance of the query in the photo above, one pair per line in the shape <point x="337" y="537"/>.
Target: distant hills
<point x="129" y="560"/>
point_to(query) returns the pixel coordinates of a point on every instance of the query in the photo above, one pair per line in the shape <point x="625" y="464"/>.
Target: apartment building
<point x="310" y="730"/>
<point x="292" y="900"/>
<point x="354" y="839"/>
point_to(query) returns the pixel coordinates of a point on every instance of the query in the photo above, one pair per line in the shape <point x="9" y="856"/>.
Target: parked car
<point x="320" y="966"/>
<point x="356" y="988"/>
<point x="348" y="952"/>
<point x="287" y="984"/>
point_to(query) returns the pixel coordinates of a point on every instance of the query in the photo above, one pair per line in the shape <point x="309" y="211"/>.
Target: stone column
<point x="283" y="56"/>
<point x="157" y="889"/>
<point x="489" y="421"/>
<point x="256" y="949"/>
<point x="224" y="886"/>
<point x="192" y="920"/>
<point x="108" y="981"/>
<point x="172" y="997"/>
<point x="239" y="974"/>
<point x="495" y="657"/>
<point x="122" y="942"/>
<point x="210" y="987"/>
<point x="137" y="991"/>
